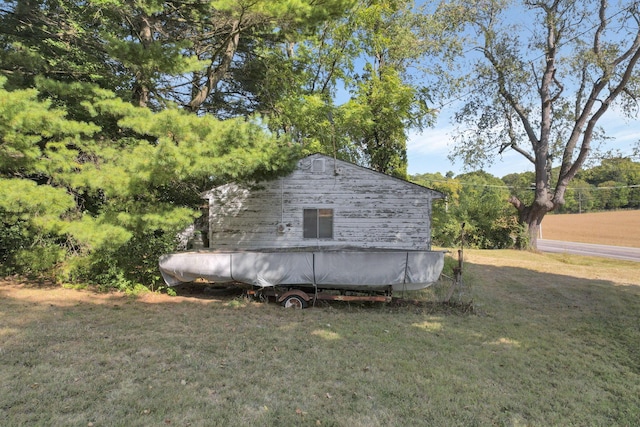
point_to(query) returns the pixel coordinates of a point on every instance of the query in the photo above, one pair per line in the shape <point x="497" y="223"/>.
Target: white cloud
<point x="432" y="140"/>
<point x="624" y="131"/>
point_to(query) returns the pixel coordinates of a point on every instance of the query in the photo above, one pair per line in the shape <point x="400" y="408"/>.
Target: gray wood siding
<point x="370" y="209"/>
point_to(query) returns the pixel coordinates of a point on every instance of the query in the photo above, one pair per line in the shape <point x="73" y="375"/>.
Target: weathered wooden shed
<point x="324" y="203"/>
<point x="328" y="225"/>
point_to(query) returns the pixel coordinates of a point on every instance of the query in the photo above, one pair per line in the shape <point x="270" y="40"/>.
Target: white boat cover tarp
<point x="189" y="266"/>
<point x="352" y="269"/>
<point x="266" y="269"/>
<point x="424" y="267"/>
<point x="374" y="269"/>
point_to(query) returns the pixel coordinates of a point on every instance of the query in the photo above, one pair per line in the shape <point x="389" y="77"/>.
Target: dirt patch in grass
<point x="67" y="297"/>
<point x="617" y="228"/>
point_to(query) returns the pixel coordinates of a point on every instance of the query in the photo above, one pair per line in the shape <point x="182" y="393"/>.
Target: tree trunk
<point x="216" y="74"/>
<point x="531" y="217"/>
<point x="532" y="221"/>
<point x="141" y="90"/>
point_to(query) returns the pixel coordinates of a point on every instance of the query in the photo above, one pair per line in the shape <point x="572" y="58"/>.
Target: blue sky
<point x="428" y="151"/>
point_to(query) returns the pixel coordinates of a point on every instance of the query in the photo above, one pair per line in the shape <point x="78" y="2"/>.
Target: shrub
<point x="37" y="259"/>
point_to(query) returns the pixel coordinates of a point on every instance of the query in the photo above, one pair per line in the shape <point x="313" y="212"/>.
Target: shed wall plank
<point x="370" y="209"/>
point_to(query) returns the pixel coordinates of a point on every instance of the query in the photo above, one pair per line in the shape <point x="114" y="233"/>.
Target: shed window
<point x="318" y="224"/>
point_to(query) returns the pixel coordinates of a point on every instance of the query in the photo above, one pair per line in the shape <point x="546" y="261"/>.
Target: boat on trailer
<point x="295" y="276"/>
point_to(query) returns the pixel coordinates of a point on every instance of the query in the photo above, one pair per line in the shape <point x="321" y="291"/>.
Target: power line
<point x="511" y="187"/>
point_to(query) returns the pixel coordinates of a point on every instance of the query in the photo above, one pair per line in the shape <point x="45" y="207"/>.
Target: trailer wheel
<point x="294" y="301"/>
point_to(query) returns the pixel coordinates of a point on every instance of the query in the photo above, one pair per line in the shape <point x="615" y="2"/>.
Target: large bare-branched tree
<point x="544" y="72"/>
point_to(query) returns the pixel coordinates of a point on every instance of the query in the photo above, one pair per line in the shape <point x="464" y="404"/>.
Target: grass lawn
<point x="554" y="340"/>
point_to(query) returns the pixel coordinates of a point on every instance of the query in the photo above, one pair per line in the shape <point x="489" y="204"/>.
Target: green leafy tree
<point x="286" y="60"/>
<point x="155" y="53"/>
<point x="35" y="144"/>
<point x="385" y="103"/>
<point x="373" y="52"/>
<point x="105" y="207"/>
<point x="541" y="91"/>
<point x="489" y="221"/>
<point x="445" y="223"/>
<point x="257" y="24"/>
<point x="476" y="199"/>
<point x="620" y="169"/>
<point x="580" y="197"/>
<point x="622" y="176"/>
<point x="53" y="39"/>
<point x="521" y="185"/>
<point x="612" y="195"/>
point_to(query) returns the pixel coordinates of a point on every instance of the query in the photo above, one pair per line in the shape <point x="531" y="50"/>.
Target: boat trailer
<point x="303" y="297"/>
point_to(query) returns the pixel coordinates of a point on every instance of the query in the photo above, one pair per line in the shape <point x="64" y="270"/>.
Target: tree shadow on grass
<point x="209" y="290"/>
<point x="550" y="292"/>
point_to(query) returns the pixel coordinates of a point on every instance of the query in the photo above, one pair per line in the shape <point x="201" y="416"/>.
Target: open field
<point x="554" y="340"/>
<point x="618" y="228"/>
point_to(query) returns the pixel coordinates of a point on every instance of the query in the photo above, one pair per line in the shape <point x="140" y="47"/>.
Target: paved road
<point x="618" y="252"/>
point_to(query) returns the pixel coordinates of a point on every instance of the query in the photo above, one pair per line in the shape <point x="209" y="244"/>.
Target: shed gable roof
<point x="434" y="193"/>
